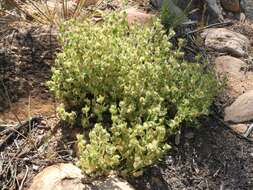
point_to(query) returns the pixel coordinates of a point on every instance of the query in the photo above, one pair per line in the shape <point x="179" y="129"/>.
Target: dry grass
<point x="54" y="12"/>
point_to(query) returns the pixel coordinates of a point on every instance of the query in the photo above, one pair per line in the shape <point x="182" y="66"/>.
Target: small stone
<point x="226" y="41"/>
<point x="231" y="5"/>
<point x="168" y="160"/>
<point x="43" y="122"/>
<point x="189" y="135"/>
<point x="241" y="110"/>
<point x="111" y="183"/>
<point x="137" y="16"/>
<point x="35" y="167"/>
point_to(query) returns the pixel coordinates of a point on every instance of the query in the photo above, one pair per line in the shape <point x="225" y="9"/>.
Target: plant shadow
<point x="210" y="157"/>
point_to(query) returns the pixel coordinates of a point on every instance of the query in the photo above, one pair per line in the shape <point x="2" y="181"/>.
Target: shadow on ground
<point x="26" y="56"/>
<point x="212" y="158"/>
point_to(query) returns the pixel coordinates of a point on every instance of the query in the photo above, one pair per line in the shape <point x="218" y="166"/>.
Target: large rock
<point x="69" y="177"/>
<point x="237" y="80"/>
<point x="59" y="177"/>
<point x="226" y="41"/>
<point x="231" y="5"/>
<point x="241" y="110"/>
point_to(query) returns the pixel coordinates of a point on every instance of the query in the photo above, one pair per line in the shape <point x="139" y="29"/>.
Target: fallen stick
<point x="23" y="180"/>
<point x="7" y="126"/>
<point x="209" y="26"/>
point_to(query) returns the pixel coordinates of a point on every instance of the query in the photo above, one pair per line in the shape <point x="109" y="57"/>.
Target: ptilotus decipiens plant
<point x="128" y="88"/>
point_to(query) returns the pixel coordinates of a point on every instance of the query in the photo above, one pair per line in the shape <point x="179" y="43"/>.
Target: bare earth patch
<point x="23" y="108"/>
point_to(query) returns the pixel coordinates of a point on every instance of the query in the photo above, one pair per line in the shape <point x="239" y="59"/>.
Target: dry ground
<point x="211" y="157"/>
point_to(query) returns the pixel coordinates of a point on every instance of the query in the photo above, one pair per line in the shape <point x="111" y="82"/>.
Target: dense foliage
<point x="128" y="88"/>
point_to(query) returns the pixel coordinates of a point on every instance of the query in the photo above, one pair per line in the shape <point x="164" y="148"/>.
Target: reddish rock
<point x="238" y="81"/>
<point x="231" y="5"/>
<point x="137" y="16"/>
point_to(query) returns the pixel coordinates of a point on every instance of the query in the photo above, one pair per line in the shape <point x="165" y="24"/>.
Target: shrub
<point x="129" y="88"/>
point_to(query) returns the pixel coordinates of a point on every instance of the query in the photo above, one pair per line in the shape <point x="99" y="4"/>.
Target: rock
<point x="189" y="135"/>
<point x="242" y="129"/>
<point x="111" y="183"/>
<point x="231" y="5"/>
<point x="247" y="6"/>
<point x="69" y="177"/>
<point x="239" y="128"/>
<point x="137" y="16"/>
<point x="59" y="177"/>
<point x="226" y="41"/>
<point x="241" y="110"/>
<point x="237" y="80"/>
